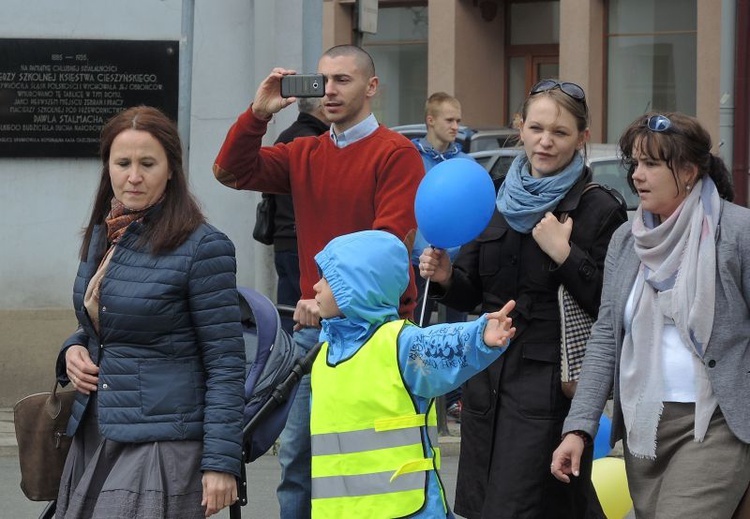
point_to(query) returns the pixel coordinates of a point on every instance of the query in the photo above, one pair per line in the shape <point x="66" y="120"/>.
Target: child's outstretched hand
<point x="499" y="330"/>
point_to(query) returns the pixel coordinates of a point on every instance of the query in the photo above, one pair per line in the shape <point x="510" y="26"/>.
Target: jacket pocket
<point x="168" y="387"/>
<point x="540" y="372"/>
<point x="490" y="250"/>
<point x="477" y="395"/>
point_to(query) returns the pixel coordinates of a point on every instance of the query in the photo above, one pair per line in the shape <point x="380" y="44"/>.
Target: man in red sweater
<point x="358" y="176"/>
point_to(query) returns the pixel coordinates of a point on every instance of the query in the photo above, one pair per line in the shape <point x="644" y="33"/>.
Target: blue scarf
<point x="523" y="199"/>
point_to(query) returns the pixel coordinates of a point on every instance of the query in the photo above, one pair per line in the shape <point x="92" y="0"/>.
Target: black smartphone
<point x="303" y="85"/>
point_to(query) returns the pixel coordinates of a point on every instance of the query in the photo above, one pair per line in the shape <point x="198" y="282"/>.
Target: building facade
<point x="630" y="56"/>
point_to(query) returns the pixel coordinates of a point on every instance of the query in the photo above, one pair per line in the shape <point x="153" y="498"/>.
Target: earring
<point x="687" y="186"/>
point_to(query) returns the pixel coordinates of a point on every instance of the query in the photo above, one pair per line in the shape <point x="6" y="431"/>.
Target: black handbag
<point x="40" y="421"/>
<point x="264" y="216"/>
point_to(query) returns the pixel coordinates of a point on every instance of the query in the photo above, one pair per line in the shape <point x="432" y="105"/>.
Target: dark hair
<point x="179" y="214"/>
<point x="685" y="142"/>
<point x="363" y="59"/>
<point x="308" y="105"/>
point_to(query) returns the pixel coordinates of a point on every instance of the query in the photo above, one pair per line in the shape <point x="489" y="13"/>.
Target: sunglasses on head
<point x="571" y="89"/>
<point x="658" y="123"/>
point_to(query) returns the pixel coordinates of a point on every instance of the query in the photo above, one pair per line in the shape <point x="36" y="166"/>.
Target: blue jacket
<point x="170" y="347"/>
<point x="431" y="157"/>
<point x="367" y="272"/>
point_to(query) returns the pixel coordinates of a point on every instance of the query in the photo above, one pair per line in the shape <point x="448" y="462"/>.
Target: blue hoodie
<point x="367" y="272"/>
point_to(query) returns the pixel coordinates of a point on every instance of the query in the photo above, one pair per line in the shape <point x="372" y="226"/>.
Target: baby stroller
<point x="273" y="372"/>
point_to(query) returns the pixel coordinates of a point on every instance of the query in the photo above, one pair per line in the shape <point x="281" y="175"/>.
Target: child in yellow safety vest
<point x="373" y="423"/>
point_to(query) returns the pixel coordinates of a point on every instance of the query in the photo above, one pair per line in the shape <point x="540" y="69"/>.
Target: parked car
<point x="603" y="159"/>
<point x="497" y="162"/>
<point x="470" y="139"/>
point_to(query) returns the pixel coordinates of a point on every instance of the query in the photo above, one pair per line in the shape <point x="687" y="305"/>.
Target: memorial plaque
<point x="55" y="95"/>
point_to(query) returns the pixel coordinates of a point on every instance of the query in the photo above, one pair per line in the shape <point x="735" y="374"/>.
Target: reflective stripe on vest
<point x="368" y="445"/>
<point x="344" y="443"/>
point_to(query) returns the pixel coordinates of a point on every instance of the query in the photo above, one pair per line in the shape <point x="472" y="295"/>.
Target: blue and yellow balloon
<point x="454" y="203"/>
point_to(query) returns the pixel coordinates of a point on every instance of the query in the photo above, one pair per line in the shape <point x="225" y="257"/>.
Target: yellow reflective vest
<point x="368" y="455"/>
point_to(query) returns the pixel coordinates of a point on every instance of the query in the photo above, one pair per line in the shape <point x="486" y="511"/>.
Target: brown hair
<point x="434" y="102"/>
<point x="179" y="215"/>
<point x="686" y="142"/>
<point x="577" y="108"/>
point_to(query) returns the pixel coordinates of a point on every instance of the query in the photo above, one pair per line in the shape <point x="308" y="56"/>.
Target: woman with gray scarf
<point x="673" y="333"/>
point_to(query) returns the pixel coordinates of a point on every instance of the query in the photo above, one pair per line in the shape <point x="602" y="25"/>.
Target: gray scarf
<point x="676" y="283"/>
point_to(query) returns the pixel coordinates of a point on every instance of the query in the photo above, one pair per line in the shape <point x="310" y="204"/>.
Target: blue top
<point x="368" y="271"/>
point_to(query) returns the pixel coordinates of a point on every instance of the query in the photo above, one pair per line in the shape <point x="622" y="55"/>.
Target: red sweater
<point x="369" y="184"/>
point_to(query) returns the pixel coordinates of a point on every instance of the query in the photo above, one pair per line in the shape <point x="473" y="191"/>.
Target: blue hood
<point x="367" y="271"/>
<point x="430" y="156"/>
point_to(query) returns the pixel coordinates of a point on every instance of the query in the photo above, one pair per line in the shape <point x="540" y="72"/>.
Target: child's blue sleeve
<point x="439" y="358"/>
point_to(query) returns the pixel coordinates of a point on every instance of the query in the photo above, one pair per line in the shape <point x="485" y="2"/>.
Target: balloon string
<point x="424" y="302"/>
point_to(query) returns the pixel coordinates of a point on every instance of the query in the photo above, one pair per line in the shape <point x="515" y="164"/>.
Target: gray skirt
<point x="108" y="479"/>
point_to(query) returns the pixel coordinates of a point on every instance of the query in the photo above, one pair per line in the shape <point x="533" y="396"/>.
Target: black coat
<point x="513" y="411"/>
<point x="285" y="231"/>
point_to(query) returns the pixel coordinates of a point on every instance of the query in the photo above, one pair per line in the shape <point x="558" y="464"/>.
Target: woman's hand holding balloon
<point x="435" y="265"/>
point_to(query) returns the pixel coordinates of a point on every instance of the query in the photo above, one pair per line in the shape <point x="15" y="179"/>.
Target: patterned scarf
<point x="676" y="284"/>
<point x="117" y="221"/>
<point x="120" y="217"/>
<point x="523" y="199"/>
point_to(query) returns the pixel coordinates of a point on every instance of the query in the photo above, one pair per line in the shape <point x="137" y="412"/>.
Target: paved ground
<point x="263" y="476"/>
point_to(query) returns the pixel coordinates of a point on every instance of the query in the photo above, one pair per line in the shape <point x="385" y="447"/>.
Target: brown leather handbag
<point x="40" y="421"/>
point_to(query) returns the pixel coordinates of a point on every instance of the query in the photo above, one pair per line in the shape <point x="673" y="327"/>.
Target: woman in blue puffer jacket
<point x="158" y="357"/>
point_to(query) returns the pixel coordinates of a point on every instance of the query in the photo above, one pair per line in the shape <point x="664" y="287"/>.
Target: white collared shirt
<point x="357" y="132"/>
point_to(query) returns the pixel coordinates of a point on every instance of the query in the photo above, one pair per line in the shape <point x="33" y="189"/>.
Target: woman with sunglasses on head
<point x="673" y="334"/>
<point x="513" y="411"/>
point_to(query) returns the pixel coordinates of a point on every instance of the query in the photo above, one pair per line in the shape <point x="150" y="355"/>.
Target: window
<point x="651" y="59"/>
<point x="533" y="53"/>
<point x="399" y="50"/>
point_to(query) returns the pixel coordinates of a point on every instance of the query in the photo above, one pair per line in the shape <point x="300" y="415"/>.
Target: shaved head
<point x="363" y="59"/>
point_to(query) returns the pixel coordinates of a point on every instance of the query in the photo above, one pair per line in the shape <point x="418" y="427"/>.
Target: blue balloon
<point x="454" y="203"/>
<point x="601" y="442"/>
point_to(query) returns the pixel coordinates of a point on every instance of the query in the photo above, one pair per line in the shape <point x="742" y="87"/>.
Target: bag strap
<point x="589" y="187"/>
<point x="53" y="405"/>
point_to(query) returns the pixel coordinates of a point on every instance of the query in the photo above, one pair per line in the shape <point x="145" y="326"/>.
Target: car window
<point x="485" y="161"/>
<point x="492" y="141"/>
<point x="610" y="172"/>
<point x="500" y="168"/>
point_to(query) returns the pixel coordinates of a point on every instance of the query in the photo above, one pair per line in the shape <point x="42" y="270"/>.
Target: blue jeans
<point x="287" y="288"/>
<point x="293" y="492"/>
